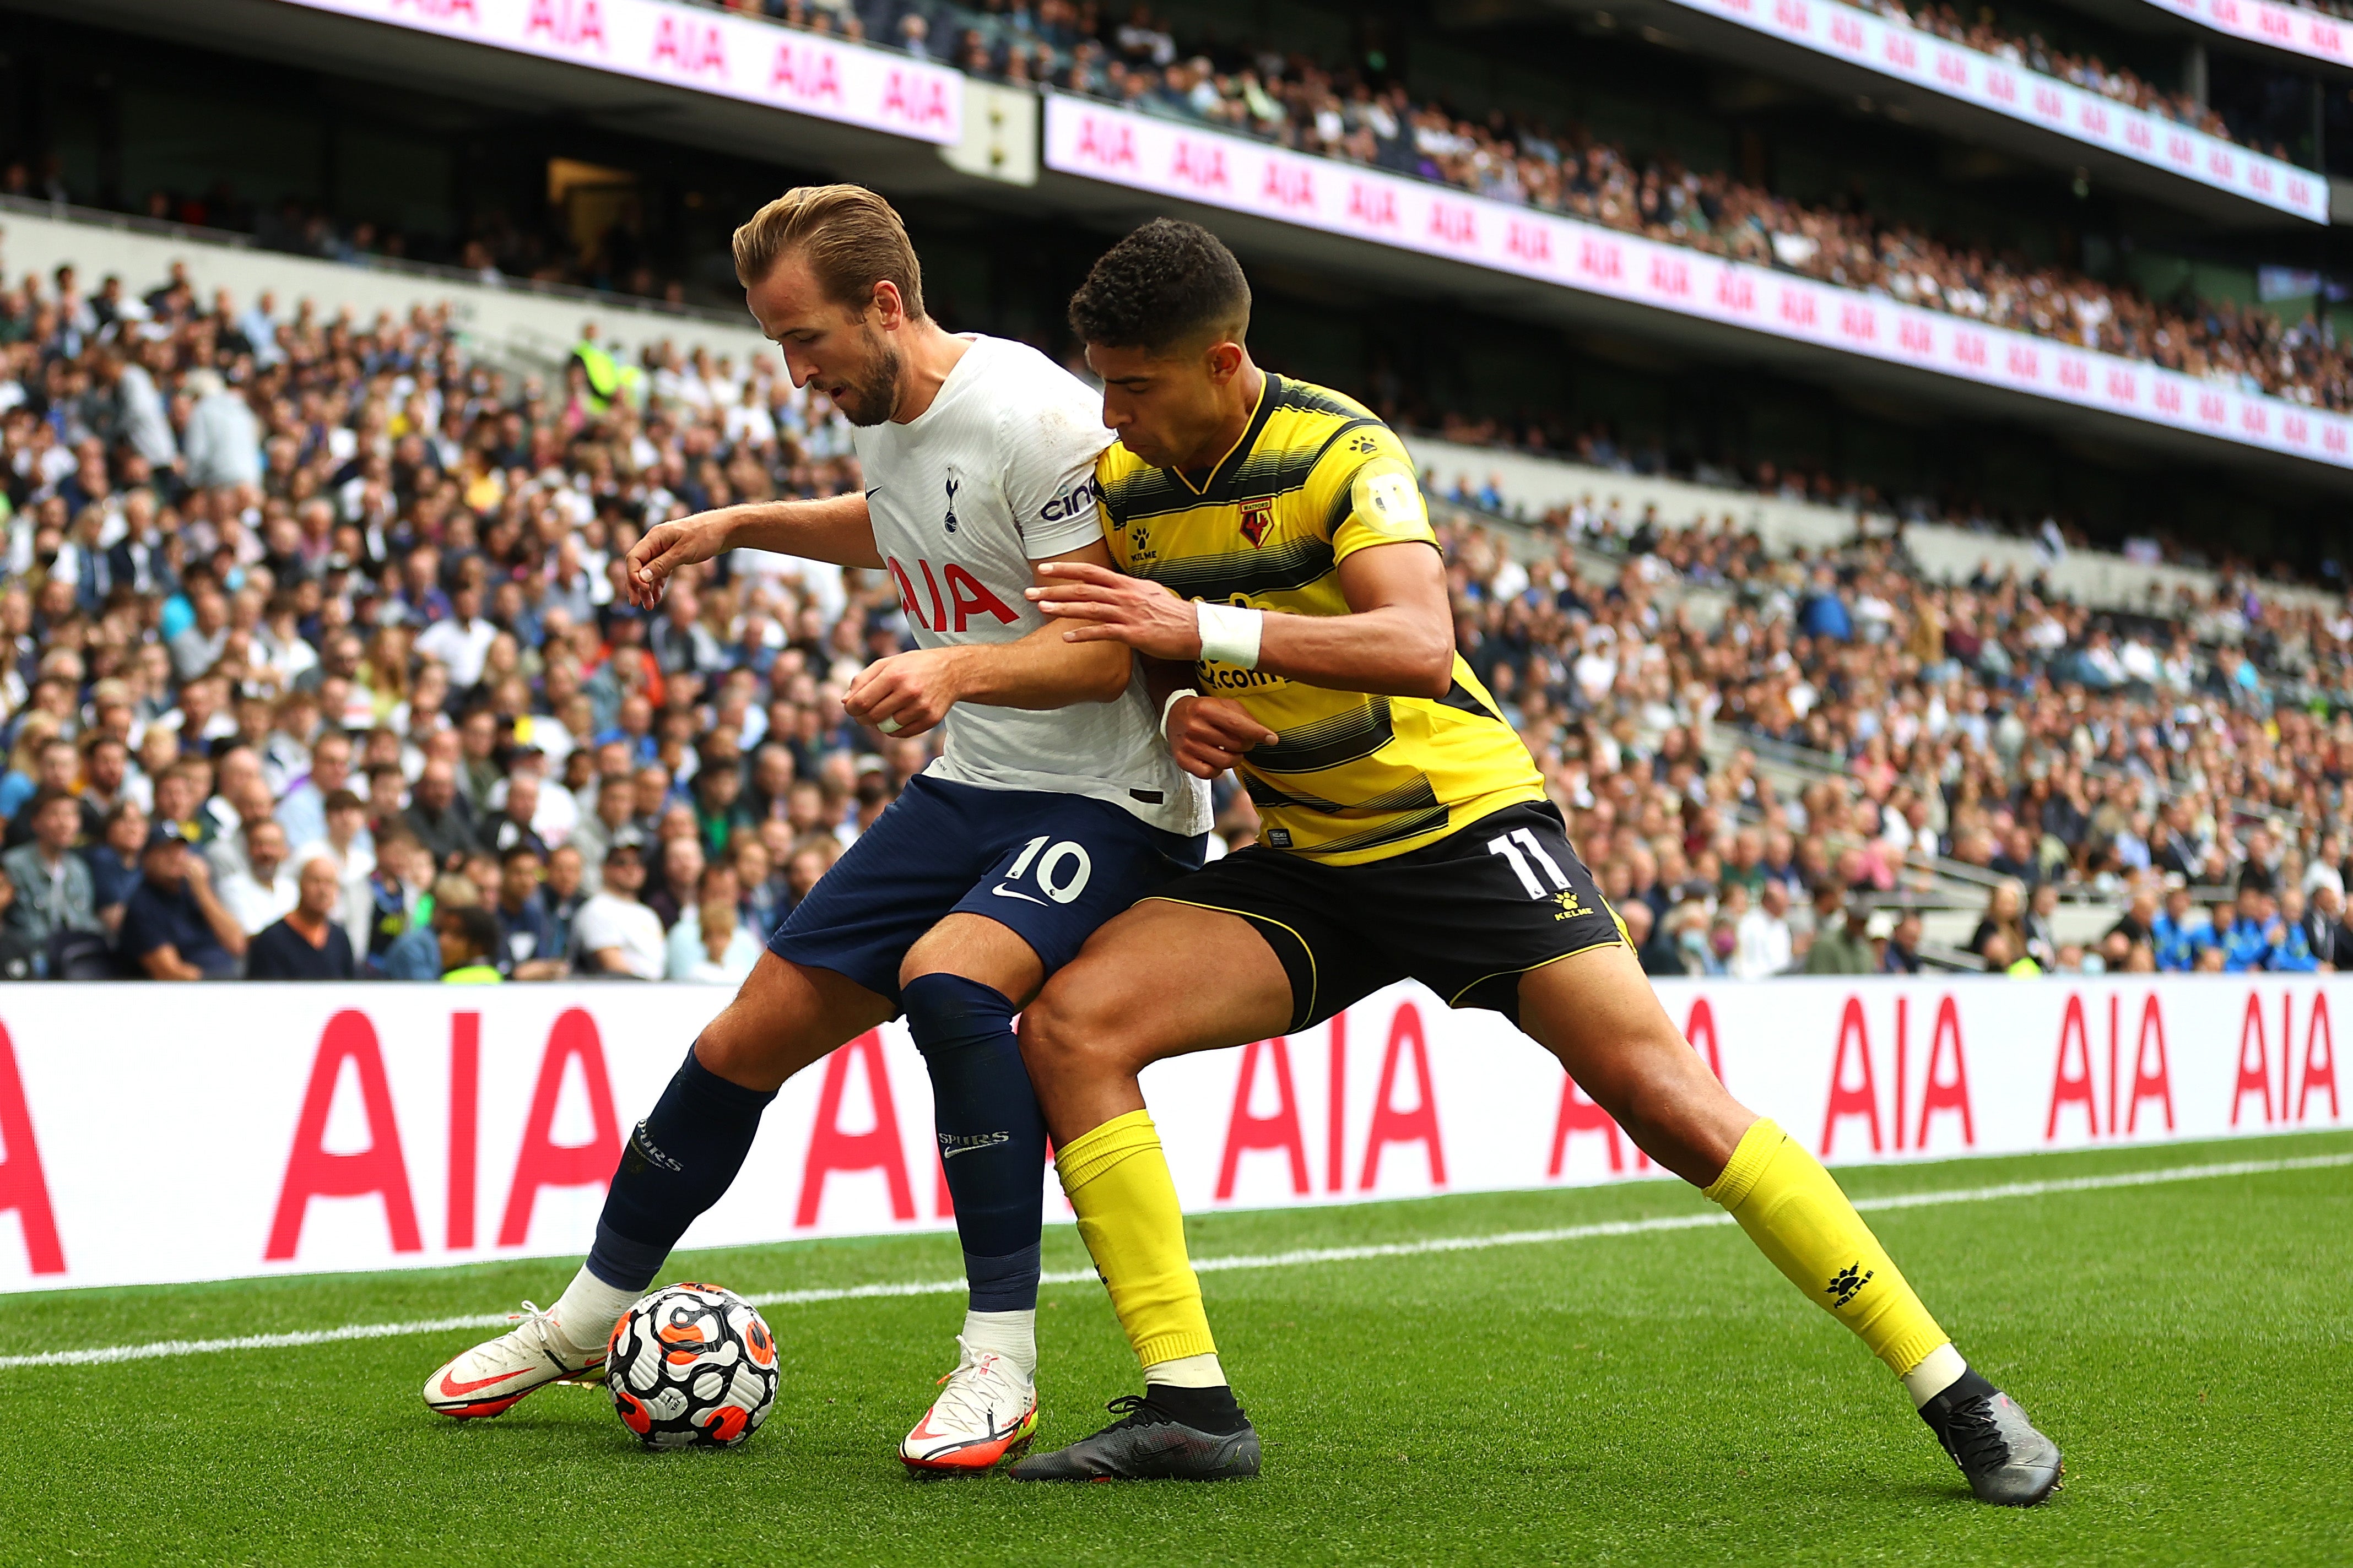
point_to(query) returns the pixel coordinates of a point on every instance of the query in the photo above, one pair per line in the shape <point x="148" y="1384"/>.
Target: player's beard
<point x="870" y="399"/>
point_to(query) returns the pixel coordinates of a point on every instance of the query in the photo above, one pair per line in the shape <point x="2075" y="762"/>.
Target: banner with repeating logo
<point x="161" y="1132"/>
<point x="1923" y="60"/>
<point x="701" y="50"/>
<point x="2299" y="28"/>
<point x="1167" y="158"/>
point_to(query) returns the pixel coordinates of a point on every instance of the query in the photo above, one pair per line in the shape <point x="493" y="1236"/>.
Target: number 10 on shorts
<point x="1053" y="880"/>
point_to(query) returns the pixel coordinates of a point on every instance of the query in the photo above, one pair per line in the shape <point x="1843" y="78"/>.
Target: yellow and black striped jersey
<point x="1315" y="479"/>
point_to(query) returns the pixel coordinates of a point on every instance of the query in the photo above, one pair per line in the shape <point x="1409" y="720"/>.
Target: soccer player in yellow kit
<point x="1282" y="580"/>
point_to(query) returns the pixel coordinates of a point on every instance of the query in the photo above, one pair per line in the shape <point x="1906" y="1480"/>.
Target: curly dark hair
<point x="1167" y="282"/>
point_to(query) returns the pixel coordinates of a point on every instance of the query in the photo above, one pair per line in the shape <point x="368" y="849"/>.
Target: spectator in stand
<point x="302" y="809"/>
<point x="563" y="895"/>
<point x="1764" y="941"/>
<point x="2325" y="933"/>
<point x="222" y="443"/>
<point x="113" y="862"/>
<point x="468" y="938"/>
<point x="2138" y="922"/>
<point x="309" y="943"/>
<point x="55" y="893"/>
<point x="175" y="927"/>
<point x="510" y="825"/>
<point x="2005" y="912"/>
<point x="19" y="958"/>
<point x="438" y="817"/>
<point x="724" y="953"/>
<point x="615" y="933"/>
<point x="528" y="947"/>
<point x="2291" y="951"/>
<point x="460" y="641"/>
<point x="1843" y="943"/>
<point x="2040" y="921"/>
<point x="685" y="949"/>
<point x="1903" y="953"/>
<point x="260" y="893"/>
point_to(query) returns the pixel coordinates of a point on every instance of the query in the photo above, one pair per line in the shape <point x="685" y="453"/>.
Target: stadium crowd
<point x="1135" y="59"/>
<point x="1526" y="162"/>
<point x="1086" y="47"/>
<point x="311" y="664"/>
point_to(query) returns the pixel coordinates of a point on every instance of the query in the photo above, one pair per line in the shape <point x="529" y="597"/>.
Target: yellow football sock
<point x="1797" y="1218"/>
<point x="1117" y="1180"/>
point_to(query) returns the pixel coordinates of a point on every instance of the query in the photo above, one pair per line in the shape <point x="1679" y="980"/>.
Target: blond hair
<point x="852" y="237"/>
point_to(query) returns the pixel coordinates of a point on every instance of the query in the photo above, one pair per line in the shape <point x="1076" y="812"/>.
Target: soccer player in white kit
<point x="1053" y="806"/>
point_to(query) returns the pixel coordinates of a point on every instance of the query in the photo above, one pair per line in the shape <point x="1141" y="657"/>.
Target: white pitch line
<point x="1299" y="1258"/>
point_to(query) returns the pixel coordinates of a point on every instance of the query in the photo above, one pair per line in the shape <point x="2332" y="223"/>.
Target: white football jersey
<point x="997" y="473"/>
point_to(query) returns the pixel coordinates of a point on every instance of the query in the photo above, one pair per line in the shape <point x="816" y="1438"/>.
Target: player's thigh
<point x="785" y="1016"/>
<point x="1595" y="1010"/>
<point x="1159" y="981"/>
<point x="978" y="948"/>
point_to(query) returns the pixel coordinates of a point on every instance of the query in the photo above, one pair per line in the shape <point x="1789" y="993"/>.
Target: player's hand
<point x="1207" y="734"/>
<point x="667" y="546"/>
<point x="906" y="693"/>
<point x="1111" y="606"/>
<point x="200" y="871"/>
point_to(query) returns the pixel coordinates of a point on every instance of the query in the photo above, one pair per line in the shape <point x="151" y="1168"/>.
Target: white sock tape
<point x="1229" y="632"/>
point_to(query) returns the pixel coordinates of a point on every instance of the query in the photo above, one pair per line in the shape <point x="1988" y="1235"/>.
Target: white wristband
<point x="1166" y="708"/>
<point x="1229" y="632"/>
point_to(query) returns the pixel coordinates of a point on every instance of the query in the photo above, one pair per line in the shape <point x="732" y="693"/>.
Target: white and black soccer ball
<point x="691" y="1366"/>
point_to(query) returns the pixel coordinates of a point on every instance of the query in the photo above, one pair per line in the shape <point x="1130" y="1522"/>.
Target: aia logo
<point x="952" y="483"/>
<point x="1846" y="1283"/>
<point x="1257" y="515"/>
<point x="966" y="600"/>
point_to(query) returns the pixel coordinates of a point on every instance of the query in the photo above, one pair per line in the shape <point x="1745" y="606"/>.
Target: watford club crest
<point x="1257" y="515"/>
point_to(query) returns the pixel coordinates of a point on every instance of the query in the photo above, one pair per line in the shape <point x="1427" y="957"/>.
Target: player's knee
<point x="1068" y="1028"/>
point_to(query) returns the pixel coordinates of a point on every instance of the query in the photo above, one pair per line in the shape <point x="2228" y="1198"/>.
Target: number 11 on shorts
<point x="1501" y="845"/>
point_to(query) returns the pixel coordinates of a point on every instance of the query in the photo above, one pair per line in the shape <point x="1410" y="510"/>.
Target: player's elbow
<point x="1110" y="672"/>
<point x="1430" y="671"/>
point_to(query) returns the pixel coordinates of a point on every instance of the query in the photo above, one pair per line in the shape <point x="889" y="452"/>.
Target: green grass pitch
<point x="1662" y="1397"/>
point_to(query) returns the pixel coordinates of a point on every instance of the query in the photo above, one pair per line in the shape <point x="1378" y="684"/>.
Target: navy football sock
<point x="676" y="1163"/>
<point x="992" y="1135"/>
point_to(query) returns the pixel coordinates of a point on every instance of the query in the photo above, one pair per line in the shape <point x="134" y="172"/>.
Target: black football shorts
<point x="1466" y="916"/>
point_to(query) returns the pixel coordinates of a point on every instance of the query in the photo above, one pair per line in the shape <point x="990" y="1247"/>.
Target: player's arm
<point x="913" y="691"/>
<point x="837" y="529"/>
<point x="1396" y="640"/>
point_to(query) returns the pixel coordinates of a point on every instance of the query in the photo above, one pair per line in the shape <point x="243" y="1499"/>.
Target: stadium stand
<point x="318" y="582"/>
<point x="1318" y="107"/>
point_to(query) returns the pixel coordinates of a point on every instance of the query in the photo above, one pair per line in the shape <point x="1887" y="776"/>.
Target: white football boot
<point x="492" y="1377"/>
<point x="986" y="1411"/>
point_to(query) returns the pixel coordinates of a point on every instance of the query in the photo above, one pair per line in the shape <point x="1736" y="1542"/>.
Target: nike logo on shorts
<point x="1009" y="893"/>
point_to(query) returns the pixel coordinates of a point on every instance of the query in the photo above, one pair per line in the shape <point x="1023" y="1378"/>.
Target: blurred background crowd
<point x="311" y="664"/>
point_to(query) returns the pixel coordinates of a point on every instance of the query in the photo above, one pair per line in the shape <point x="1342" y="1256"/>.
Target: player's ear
<point x="890" y="311"/>
<point x="1225" y="361"/>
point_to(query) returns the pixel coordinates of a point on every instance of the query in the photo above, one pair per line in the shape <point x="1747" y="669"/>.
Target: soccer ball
<point x="691" y="1366"/>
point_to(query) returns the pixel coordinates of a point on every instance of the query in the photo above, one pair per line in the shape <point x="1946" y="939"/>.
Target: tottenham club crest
<point x="1257" y="514"/>
<point x="953" y="483"/>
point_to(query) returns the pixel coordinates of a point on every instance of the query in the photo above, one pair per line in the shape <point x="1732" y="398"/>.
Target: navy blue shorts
<point x="1050" y="868"/>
